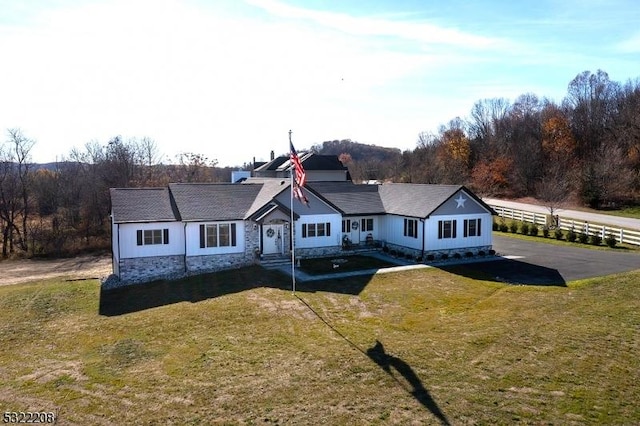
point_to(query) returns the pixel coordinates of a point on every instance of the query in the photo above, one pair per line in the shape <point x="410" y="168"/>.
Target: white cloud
<point x="630" y="45"/>
<point x="371" y="26"/>
<point x="211" y="80"/>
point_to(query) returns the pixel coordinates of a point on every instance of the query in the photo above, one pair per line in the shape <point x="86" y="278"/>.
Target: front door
<point x="355" y="231"/>
<point x="351" y="229"/>
<point x="272" y="237"/>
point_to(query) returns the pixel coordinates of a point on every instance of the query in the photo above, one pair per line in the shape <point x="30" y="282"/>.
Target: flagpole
<point x="291" y="226"/>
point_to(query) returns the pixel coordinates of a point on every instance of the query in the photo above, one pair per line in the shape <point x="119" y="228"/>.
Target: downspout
<point x="113" y="254"/>
<point x="424" y="233"/>
<point x="185" y="247"/>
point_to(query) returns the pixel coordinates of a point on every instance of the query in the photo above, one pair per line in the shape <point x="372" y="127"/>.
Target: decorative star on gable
<point x="460" y="200"/>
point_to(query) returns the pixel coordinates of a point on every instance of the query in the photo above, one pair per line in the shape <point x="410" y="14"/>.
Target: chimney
<point x="273" y="155"/>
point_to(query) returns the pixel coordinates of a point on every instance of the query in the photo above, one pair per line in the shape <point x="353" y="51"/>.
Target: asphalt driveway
<point x="545" y="264"/>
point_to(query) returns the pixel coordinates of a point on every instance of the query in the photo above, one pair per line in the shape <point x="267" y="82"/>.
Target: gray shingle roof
<point x="416" y="200"/>
<point x="273" y="164"/>
<point x="270" y="188"/>
<point x="214" y="201"/>
<point x="312" y="161"/>
<point x="349" y="198"/>
<point x="142" y="205"/>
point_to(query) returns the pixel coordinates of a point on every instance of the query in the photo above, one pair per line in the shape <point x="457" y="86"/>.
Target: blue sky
<point x="229" y="78"/>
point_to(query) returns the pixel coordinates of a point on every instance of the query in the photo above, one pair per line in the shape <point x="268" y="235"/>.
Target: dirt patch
<point x="80" y="267"/>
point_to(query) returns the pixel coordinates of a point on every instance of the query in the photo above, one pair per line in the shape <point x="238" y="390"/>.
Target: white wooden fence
<point x="623" y="235"/>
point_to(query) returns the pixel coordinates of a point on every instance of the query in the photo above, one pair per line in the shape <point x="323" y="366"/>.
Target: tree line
<point x="63" y="208"/>
<point x="586" y="147"/>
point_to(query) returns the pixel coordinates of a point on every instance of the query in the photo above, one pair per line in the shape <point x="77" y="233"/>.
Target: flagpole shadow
<point x="388" y="362"/>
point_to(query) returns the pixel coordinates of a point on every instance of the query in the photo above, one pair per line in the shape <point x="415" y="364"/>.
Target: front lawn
<point x="336" y="264"/>
<point x="414" y="347"/>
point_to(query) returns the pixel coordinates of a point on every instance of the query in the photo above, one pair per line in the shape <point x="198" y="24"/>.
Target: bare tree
<point x="15" y="189"/>
<point x="195" y="167"/>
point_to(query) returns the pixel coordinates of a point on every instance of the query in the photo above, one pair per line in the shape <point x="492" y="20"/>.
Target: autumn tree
<point x="491" y="177"/>
<point x="558" y="166"/>
<point x="454" y="152"/>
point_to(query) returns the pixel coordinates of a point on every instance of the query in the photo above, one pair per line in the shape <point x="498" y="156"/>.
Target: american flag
<point x="300" y="176"/>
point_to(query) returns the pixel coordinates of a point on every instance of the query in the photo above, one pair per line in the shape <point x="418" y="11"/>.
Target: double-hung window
<point x="447" y="229"/>
<point x="218" y="235"/>
<point x="411" y="228"/>
<point x="147" y="237"/>
<point x="366" y="225"/>
<point x="310" y="230"/>
<point x="472" y="227"/>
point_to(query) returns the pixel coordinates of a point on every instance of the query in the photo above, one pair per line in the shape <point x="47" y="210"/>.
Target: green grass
<point x="563" y="242"/>
<point x="325" y="265"/>
<point x="629" y="211"/>
<point x="239" y="348"/>
<point x="633" y="212"/>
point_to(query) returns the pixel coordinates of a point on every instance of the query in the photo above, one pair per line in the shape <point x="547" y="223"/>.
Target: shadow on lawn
<point x="138" y="297"/>
<point x="388" y="362"/>
<point x="509" y="271"/>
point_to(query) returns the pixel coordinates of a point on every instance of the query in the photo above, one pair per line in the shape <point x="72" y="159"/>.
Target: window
<point x="310" y="230"/>
<point x="472" y="227"/>
<point x="411" y="228"/>
<point x="149" y="237"/>
<point x="447" y="229"/>
<point x="346" y="225"/>
<point x="366" y="225"/>
<point x="218" y="235"/>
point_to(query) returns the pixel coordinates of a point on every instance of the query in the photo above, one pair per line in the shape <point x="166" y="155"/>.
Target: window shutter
<point x="166" y="235"/>
<point x="466" y="224"/>
<point x="454" y="226"/>
<point x="202" y="236"/>
<point x="415" y="228"/>
<point x="328" y="227"/>
<point x="233" y="234"/>
<point x="405" y="227"/>
<point x="439" y="229"/>
<point x="139" y="236"/>
<point x="304" y="230"/>
<point x="478" y="227"/>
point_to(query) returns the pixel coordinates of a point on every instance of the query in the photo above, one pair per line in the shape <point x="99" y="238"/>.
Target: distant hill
<point x="358" y="151"/>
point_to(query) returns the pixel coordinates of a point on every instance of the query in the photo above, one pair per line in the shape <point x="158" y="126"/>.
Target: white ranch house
<point x="186" y="228"/>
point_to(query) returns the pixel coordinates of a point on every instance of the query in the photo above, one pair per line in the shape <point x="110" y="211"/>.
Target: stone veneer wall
<point x="217" y="262"/>
<point x="319" y="251"/>
<point x="415" y="253"/>
<point x="141" y="269"/>
<point x="251" y="240"/>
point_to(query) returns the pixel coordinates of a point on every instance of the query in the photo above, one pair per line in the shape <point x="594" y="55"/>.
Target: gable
<point x="349" y="198"/>
<point x="460" y="203"/>
<point x="316" y="205"/>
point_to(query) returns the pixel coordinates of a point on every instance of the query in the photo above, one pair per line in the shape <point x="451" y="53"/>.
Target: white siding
<point x="193" y="240"/>
<point x="359" y="235"/>
<point x="128" y="240"/>
<point x="392" y="231"/>
<point x="335" y="239"/>
<point x="433" y="243"/>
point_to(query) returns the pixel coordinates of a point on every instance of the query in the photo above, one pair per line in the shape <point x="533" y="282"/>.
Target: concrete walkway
<point x="402" y="265"/>
<point x="605" y="219"/>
